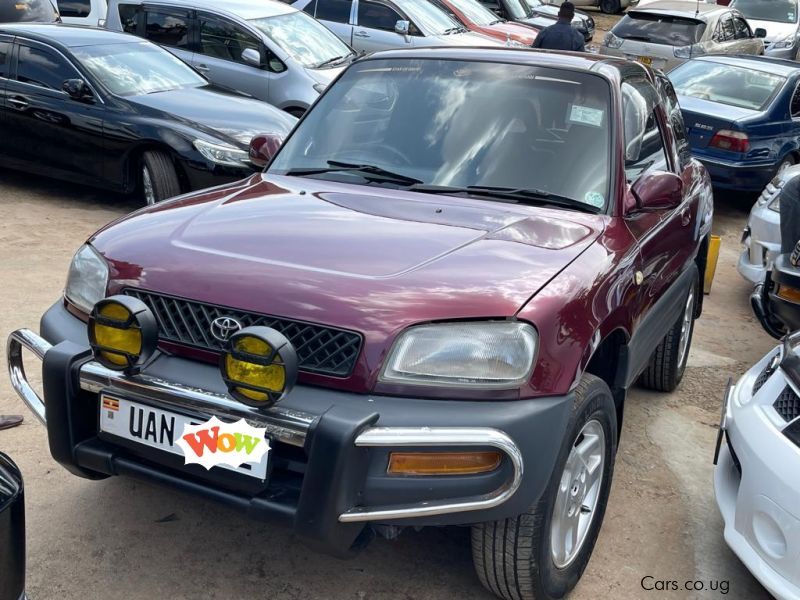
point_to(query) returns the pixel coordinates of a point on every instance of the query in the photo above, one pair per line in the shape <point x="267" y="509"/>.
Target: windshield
<point x="431" y="19"/>
<point x="305" y="39"/>
<point x="518" y="9"/>
<point x="535" y="3"/>
<point x="455" y="123"/>
<point x="736" y="86"/>
<point x="136" y="68"/>
<point x="475" y="12"/>
<point x="17" y="11"/>
<point x="659" y="29"/>
<point x="780" y="11"/>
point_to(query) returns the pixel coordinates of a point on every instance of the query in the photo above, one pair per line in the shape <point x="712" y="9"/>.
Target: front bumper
<point x="757" y="485"/>
<point x="202" y="174"/>
<point x="785" y="53"/>
<point x="331" y="448"/>
<point x="761" y="243"/>
<point x="738" y="176"/>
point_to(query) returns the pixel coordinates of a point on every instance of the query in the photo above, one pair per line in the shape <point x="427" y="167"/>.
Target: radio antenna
<point x="697" y="12"/>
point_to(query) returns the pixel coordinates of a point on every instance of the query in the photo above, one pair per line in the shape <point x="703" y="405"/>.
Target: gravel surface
<point x="121" y="539"/>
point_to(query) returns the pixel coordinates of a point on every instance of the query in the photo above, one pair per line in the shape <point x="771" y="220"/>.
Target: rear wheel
<point x="159" y="180"/>
<point x="610" y="7"/>
<point x="542" y="553"/>
<point x="668" y="362"/>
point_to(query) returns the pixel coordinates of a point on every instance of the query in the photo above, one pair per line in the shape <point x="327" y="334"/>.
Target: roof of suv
<point x="244" y="9"/>
<point x="68" y="35"/>
<point x="701" y="11"/>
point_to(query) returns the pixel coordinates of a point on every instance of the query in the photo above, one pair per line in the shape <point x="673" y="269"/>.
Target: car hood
<point x="325" y="76"/>
<point x="231" y="117"/>
<point x="775" y="31"/>
<point x="467" y="38"/>
<point x="516" y="31"/>
<point x="373" y="260"/>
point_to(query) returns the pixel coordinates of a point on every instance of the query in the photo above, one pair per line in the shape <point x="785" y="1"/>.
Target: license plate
<point x="645" y="60"/>
<point x="158" y="429"/>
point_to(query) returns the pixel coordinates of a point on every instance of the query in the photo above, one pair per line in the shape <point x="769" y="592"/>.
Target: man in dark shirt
<point x="561" y="35"/>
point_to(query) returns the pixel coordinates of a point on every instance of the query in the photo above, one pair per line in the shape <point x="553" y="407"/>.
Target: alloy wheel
<point x="686" y="329"/>
<point x="147" y="186"/>
<point x="578" y="494"/>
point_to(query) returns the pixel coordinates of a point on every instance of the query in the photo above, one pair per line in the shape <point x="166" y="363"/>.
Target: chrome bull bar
<point x="282" y="424"/>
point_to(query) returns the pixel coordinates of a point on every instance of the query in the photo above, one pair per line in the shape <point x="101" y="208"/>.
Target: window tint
<point x="334" y="10"/>
<point x="27" y="10"/>
<point x="644" y="147"/>
<point x="74" y="8"/>
<point x="5" y="51"/>
<point x="222" y="39"/>
<point x="377" y="16"/>
<point x="128" y="16"/>
<point x="43" y="68"/>
<point x="794" y="108"/>
<point x="169" y="29"/>
<point x="742" y="29"/>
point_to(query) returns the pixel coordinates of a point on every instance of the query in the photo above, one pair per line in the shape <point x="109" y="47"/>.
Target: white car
<point x="757" y="473"/>
<point x="762" y="236"/>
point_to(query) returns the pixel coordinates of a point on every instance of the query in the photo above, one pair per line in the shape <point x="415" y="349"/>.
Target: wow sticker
<point x="215" y="443"/>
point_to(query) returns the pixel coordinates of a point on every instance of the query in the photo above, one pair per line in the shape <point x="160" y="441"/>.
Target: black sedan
<point x="112" y="111"/>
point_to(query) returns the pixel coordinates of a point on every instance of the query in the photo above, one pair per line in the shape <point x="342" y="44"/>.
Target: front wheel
<point x="610" y="7"/>
<point x="542" y="553"/>
<point x="159" y="180"/>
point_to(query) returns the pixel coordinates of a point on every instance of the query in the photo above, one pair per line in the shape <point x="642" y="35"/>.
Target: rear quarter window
<point x="659" y="29"/>
<point x="74" y="8"/>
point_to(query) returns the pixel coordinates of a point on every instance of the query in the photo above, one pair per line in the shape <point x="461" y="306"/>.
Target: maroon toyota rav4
<point x="433" y="299"/>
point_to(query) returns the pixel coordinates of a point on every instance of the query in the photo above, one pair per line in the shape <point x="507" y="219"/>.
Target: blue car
<point x="742" y="117"/>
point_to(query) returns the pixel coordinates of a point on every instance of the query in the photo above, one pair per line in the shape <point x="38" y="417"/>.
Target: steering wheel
<point x="393" y="154"/>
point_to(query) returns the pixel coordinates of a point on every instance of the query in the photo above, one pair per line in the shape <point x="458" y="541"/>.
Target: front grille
<point x="788" y="404"/>
<point x="320" y="349"/>
<point x="761" y="379"/>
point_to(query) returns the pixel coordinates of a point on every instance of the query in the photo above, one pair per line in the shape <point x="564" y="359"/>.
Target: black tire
<point x="513" y="557"/>
<point x="788" y="161"/>
<point x="610" y="7"/>
<point x="666" y="367"/>
<point x="158" y="166"/>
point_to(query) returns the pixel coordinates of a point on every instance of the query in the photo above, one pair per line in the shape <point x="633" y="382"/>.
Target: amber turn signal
<point x="443" y="463"/>
<point x="789" y="293"/>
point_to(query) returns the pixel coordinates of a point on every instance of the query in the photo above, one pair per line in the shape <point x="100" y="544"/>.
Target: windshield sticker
<point x="586" y="115"/>
<point x="594" y="199"/>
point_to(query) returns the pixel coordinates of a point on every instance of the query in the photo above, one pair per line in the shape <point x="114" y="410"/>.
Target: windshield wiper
<point x="332" y="61"/>
<point x="372" y="171"/>
<point x="510" y="194"/>
<point x="454" y="30"/>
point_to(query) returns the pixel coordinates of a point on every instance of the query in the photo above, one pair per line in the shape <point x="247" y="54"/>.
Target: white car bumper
<point x="760" y="499"/>
<point x="761" y="239"/>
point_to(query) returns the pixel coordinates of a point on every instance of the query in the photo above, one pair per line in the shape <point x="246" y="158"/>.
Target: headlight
<point x="785" y="42"/>
<point x="260" y="366"/>
<point x="222" y="154"/>
<point x="319" y="87"/>
<point x="486" y="354"/>
<point x="123" y="333"/>
<point x="87" y="278"/>
<point x="612" y="41"/>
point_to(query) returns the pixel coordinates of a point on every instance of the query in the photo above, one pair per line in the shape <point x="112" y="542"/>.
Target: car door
<point x="375" y="27"/>
<point x="169" y="27"/>
<point x="6" y="45"/>
<point x="336" y="15"/>
<point x="746" y="42"/>
<point x="47" y="131"/>
<point x="665" y="237"/>
<point x="219" y="56"/>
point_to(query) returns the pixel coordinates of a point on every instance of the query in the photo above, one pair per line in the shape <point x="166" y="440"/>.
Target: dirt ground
<point x="121" y="539"/>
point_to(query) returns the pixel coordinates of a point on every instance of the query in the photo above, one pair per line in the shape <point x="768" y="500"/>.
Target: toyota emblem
<point x="222" y="328"/>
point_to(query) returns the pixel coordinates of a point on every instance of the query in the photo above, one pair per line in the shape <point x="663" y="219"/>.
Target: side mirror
<point x="657" y="190"/>
<point x="760" y="32"/>
<point x="77" y="90"/>
<point x="263" y="147"/>
<point x="252" y="57"/>
<point x="402" y="27"/>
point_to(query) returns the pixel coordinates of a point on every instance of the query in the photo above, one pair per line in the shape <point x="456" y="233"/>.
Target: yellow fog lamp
<point x="260" y="366"/>
<point x="443" y="463"/>
<point x="123" y="333"/>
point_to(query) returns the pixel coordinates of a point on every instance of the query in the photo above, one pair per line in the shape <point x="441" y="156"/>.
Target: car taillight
<point x="733" y="141"/>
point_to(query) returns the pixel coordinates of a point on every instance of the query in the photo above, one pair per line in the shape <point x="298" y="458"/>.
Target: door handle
<point x="361" y="34"/>
<point x="202" y="68"/>
<point x="18" y="103"/>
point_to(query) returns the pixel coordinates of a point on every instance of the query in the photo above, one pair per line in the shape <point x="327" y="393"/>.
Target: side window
<point x="644" y="146"/>
<point x="675" y="120"/>
<point x="74" y="8"/>
<point x="726" y="31"/>
<point x="337" y="11"/>
<point x="222" y="39"/>
<point x="742" y="29"/>
<point x="374" y="15"/>
<point x="5" y="53"/>
<point x="167" y="28"/>
<point x="43" y="68"/>
<point x="310" y="8"/>
<point x="794" y="108"/>
<point x="128" y="17"/>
